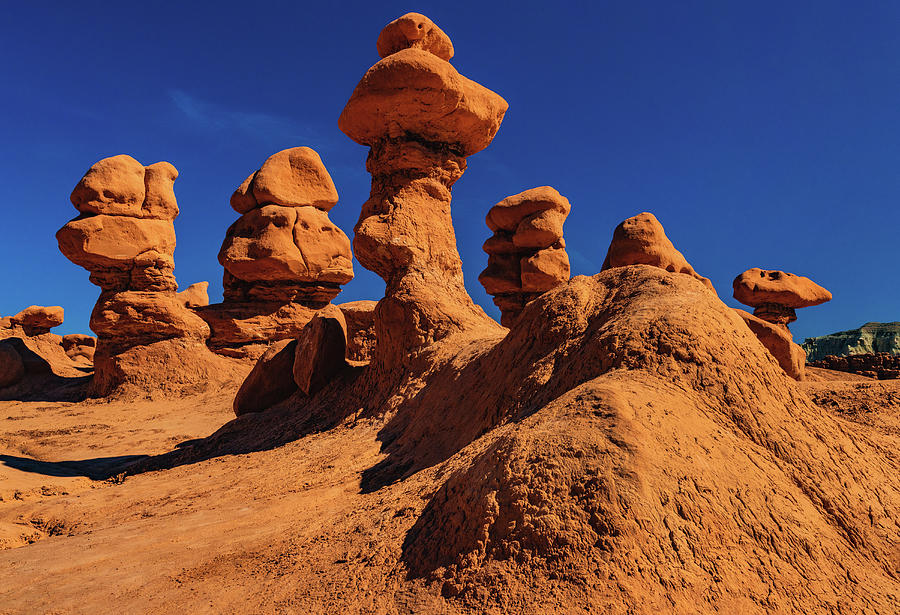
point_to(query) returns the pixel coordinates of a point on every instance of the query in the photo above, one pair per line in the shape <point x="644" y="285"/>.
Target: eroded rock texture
<point x="125" y="237"/>
<point x="527" y="253"/>
<point x="283" y="258"/>
<point x="421" y="119"/>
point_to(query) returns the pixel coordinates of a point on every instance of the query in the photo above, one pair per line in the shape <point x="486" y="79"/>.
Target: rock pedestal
<point x="283" y="258"/>
<point x="527" y="253"/>
<point x="421" y="119"/>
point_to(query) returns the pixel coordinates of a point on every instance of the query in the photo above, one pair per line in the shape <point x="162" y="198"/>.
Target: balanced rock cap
<point x="414" y="31"/>
<point x="113" y="186"/>
<point x="511" y="211"/>
<point x="294" y="177"/>
<point x="758" y="287"/>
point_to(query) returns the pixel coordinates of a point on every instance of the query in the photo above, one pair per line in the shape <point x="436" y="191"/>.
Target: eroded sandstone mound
<point x="125" y="237"/>
<point x="283" y="258"/>
<point x="527" y="253"/>
<point x="421" y="119"/>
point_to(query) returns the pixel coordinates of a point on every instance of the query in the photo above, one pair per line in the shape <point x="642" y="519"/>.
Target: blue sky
<point x="761" y="134"/>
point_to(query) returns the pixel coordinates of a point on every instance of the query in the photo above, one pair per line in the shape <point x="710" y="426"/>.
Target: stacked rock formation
<point x="283" y="258"/>
<point x="641" y="240"/>
<point x="527" y="253"/>
<point x="125" y="236"/>
<point x="775" y="295"/>
<point x="421" y="119"/>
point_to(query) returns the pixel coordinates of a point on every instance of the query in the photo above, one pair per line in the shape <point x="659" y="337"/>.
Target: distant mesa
<point x="870" y="338"/>
<point x="527" y="252"/>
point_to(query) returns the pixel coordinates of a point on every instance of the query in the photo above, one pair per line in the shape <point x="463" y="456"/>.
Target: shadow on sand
<point x="99" y="468"/>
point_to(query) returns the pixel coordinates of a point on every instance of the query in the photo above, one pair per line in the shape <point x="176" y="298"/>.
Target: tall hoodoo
<point x="527" y="253"/>
<point x="125" y="236"/>
<point x="283" y="258"/>
<point x="420" y="119"/>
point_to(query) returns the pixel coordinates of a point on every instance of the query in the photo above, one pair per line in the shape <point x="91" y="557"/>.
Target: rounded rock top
<point x="757" y="287"/>
<point x="415" y="31"/>
<point x="508" y="213"/>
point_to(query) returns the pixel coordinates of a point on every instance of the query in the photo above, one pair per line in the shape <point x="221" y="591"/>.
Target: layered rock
<point x="527" y="253"/>
<point x="283" y="258"/>
<point x="421" y="119"/>
<point x="641" y="240"/>
<point x="775" y="295"/>
<point x="880" y="365"/>
<point x="871" y="338"/>
<point x="125" y="237"/>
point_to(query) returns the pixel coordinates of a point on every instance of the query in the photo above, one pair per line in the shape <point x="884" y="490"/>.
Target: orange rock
<point x="776" y="294"/>
<point x="360" y="319"/>
<point x="415" y="92"/>
<point x="321" y="350"/>
<point x="641" y="240"/>
<point x="159" y="184"/>
<point x="80" y="348"/>
<point x="112" y="186"/>
<point x="526" y="255"/>
<point x="244" y="329"/>
<point x="37" y="319"/>
<point x="270" y="381"/>
<point x="287" y="243"/>
<point x="242" y="200"/>
<point x="780" y="344"/>
<point x="294" y="177"/>
<point x="133" y="318"/>
<point x="195" y="295"/>
<point x="414" y="31"/>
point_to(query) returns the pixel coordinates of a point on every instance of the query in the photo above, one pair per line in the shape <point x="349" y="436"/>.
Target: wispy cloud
<point x="212" y="117"/>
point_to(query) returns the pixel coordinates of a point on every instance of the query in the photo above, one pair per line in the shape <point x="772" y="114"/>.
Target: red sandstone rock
<point x="780" y="344"/>
<point x="321" y="350"/>
<point x="244" y="329"/>
<point x="360" y="319"/>
<point x="294" y="177"/>
<point x="414" y="31"/>
<point x="159" y="199"/>
<point x="37" y="319"/>
<point x="112" y="186"/>
<point x="80" y="348"/>
<point x="195" y="295"/>
<point x="242" y="200"/>
<point x="641" y="240"/>
<point x="776" y="294"/>
<point x="526" y="254"/>
<point x="270" y="381"/>
<point x="12" y="369"/>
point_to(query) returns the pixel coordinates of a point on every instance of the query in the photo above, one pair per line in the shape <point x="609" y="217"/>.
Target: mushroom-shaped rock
<point x="413" y="92"/>
<point x="641" y="240"/>
<point x="780" y="344"/>
<point x="414" y="31"/>
<point x="270" y="381"/>
<point x="195" y="295"/>
<point x="37" y="319"/>
<point x="526" y="254"/>
<point x="321" y="350"/>
<point x="112" y="186"/>
<point x="12" y="369"/>
<point x="776" y="294"/>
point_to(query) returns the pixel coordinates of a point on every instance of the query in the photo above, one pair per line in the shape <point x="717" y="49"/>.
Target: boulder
<point x="242" y="200"/>
<point x="360" y="319"/>
<point x="321" y="350"/>
<point x="37" y="319"/>
<point x="133" y="318"/>
<point x="641" y="240"/>
<point x="113" y="186"/>
<point x="414" y="31"/>
<point x="270" y="381"/>
<point x="294" y="177"/>
<point x="79" y="348"/>
<point x="195" y="295"/>
<point x="780" y="344"/>
<point x="159" y="186"/>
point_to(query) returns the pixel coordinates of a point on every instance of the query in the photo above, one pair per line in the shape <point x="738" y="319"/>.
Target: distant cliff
<point x="871" y="338"/>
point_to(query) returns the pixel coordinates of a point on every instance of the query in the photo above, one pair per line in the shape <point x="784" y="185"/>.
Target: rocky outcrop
<point x="421" y="119"/>
<point x="37" y="319"/>
<point x="776" y="295"/>
<point x="880" y="365"/>
<point x="125" y="237"/>
<point x="780" y="344"/>
<point x="641" y="240"/>
<point x="80" y="348"/>
<point x="527" y="253"/>
<point x="283" y="258"/>
<point x="871" y="338"/>
<point x="195" y="295"/>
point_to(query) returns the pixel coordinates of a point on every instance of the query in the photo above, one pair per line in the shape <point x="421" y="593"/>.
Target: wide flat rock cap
<point x="414" y="31"/>
<point x="508" y="213"/>
<point x="414" y="92"/>
<point x="757" y="287"/>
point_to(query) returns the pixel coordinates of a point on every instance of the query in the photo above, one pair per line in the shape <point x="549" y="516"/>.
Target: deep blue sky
<point x="759" y="133"/>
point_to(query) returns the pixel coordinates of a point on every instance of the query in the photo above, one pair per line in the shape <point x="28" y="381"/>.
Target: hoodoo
<point x="527" y="253"/>
<point x="283" y="258"/>
<point x="125" y="237"/>
<point x="421" y="119"/>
